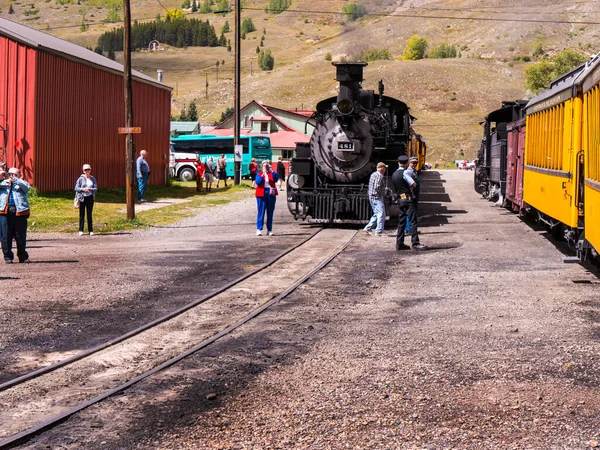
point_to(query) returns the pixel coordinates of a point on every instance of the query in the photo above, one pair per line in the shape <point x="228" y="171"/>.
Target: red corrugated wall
<point x="78" y="112"/>
<point x="17" y="105"/>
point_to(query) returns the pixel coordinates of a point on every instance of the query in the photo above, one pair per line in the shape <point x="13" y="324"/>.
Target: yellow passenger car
<point x="552" y="153"/>
<point x="418" y="148"/>
<point x="591" y="149"/>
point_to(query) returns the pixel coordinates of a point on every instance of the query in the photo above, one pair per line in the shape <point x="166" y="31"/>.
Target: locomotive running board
<point x="571" y="259"/>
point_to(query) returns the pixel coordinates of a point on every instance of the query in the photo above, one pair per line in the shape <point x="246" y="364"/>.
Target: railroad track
<point x="37" y="401"/>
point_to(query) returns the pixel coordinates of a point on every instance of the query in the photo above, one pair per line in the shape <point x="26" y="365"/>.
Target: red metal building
<point x="61" y="106"/>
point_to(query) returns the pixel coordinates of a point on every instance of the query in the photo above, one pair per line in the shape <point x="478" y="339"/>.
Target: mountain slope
<point x="449" y="97"/>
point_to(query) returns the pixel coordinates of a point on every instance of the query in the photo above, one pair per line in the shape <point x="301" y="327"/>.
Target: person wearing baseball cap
<point x="85" y="191"/>
<point x="376" y="191"/>
<point x="405" y="186"/>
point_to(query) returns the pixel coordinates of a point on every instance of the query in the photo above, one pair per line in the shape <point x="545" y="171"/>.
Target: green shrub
<point x="415" y="48"/>
<point x="354" y="11"/>
<point x="278" y="6"/>
<point x="374" y="54"/>
<point x="443" y="51"/>
<point x="266" y="60"/>
<point x="328" y="56"/>
<point x="247" y="26"/>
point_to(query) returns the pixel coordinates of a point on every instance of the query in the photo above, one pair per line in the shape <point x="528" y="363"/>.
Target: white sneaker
<point x="91" y="233"/>
<point x="258" y="232"/>
<point x="81" y="233"/>
<point x="270" y="233"/>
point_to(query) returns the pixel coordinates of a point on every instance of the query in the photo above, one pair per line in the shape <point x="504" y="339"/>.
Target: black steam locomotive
<point x="329" y="176"/>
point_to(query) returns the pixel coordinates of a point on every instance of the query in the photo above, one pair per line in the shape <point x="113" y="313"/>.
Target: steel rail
<point x="26" y="435"/>
<point x="44" y="370"/>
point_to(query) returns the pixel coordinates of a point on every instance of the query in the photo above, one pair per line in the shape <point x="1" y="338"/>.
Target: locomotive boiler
<point x="354" y="130"/>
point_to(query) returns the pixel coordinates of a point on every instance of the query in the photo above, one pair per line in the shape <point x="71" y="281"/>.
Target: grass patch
<point x="54" y="212"/>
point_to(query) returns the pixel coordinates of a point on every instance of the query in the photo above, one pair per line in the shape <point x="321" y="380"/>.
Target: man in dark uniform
<point x="404" y="186"/>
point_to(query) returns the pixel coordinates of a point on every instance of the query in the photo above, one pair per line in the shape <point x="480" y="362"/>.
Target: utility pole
<point x="206" y="77"/>
<point x="251" y="59"/>
<point x="129" y="147"/>
<point x="237" y="178"/>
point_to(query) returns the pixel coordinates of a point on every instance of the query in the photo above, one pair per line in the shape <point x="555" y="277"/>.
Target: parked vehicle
<point x="185" y="149"/>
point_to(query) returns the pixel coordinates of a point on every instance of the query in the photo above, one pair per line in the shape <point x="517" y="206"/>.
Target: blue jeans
<point x="142" y="182"/>
<point x="378" y="215"/>
<point x="265" y="204"/>
<point x="13" y="227"/>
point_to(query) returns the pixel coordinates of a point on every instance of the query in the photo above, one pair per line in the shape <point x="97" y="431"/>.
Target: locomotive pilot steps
<point x="329" y="177"/>
<point x="551" y="159"/>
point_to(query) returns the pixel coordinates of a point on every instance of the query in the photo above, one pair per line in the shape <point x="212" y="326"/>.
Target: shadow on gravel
<point x="54" y="261"/>
<point x="174" y="402"/>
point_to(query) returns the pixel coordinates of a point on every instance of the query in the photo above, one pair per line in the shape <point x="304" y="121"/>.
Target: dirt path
<point x="485" y="341"/>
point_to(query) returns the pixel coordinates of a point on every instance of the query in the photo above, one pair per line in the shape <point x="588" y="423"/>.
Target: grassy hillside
<point x="448" y="96"/>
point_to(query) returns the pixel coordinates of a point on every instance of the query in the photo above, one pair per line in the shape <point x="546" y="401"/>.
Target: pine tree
<point x="192" y="115"/>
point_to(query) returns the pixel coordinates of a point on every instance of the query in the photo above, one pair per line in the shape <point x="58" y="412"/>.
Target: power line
<point x="392" y="15"/>
<point x="417" y="16"/>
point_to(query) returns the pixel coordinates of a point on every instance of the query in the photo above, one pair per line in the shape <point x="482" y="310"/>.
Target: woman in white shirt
<point x="85" y="191"/>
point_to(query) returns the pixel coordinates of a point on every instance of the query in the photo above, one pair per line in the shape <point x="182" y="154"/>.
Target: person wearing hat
<point x="14" y="207"/>
<point x="376" y="191"/>
<point x="85" y="191"/>
<point x="405" y="185"/>
<point x="414" y="174"/>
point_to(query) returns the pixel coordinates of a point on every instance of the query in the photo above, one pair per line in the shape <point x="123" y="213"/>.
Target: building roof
<point x="51" y="44"/>
<point x="279" y="139"/>
<point x="185" y="126"/>
<point x="261" y="118"/>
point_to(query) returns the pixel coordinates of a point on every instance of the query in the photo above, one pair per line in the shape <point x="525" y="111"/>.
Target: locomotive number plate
<point x="347" y="146"/>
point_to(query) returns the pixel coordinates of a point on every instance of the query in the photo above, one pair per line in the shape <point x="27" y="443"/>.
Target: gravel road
<point x="486" y="340"/>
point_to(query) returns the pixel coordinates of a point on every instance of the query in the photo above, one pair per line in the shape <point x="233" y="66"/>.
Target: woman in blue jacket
<point x="14" y="209"/>
<point x="85" y="191"/>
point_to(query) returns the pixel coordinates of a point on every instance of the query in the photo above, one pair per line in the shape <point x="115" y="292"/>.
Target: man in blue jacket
<point x="142" y="172"/>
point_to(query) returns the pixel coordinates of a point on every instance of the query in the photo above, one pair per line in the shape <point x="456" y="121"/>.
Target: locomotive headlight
<point x="345" y="106"/>
<point x="296" y="181"/>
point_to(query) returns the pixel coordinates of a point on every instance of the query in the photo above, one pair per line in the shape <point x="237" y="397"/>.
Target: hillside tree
<point x="226" y="114"/>
<point x="354" y="11"/>
<point x="266" y="60"/>
<point x="538" y="76"/>
<point x="415" y="48"/>
<point x="192" y="115"/>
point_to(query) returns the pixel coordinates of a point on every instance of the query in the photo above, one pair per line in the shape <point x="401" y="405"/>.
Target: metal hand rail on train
<point x="26" y="435"/>
<point x="74" y="358"/>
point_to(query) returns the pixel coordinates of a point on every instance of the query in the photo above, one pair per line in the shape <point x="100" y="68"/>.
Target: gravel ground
<point x="81" y="291"/>
<point x="486" y="340"/>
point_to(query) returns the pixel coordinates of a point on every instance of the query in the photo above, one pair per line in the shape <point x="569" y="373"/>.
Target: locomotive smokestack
<point x="350" y="75"/>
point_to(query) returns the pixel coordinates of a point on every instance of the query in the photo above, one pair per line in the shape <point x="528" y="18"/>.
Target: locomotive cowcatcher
<point x="355" y="130"/>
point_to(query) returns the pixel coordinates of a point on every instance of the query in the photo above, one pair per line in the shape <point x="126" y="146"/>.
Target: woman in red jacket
<point x="266" y="195"/>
